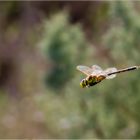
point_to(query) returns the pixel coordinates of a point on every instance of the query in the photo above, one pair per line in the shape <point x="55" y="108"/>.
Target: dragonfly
<point x="95" y="74"/>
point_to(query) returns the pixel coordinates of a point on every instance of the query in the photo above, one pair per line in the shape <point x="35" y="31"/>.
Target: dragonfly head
<point x="84" y="83"/>
<point x="87" y="82"/>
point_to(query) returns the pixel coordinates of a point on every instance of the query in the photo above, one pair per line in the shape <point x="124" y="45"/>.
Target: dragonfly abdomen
<point x="124" y="70"/>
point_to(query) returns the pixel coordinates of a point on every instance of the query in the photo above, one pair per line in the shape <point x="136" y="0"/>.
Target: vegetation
<point x="62" y="44"/>
<point x="40" y="96"/>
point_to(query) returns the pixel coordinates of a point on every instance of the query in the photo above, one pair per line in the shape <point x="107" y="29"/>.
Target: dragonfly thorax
<point x="91" y="81"/>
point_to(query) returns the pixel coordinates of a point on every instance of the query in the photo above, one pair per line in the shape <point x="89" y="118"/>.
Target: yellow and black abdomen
<point x="95" y="80"/>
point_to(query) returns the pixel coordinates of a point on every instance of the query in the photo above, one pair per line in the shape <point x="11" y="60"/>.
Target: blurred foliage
<point x="123" y="41"/>
<point x="107" y="111"/>
<point x="65" y="47"/>
<point x="124" y="32"/>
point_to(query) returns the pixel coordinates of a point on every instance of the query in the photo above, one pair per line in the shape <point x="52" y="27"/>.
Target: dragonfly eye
<point x="83" y="83"/>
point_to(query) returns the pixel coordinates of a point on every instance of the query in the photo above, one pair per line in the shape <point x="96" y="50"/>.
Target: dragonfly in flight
<point x="96" y="74"/>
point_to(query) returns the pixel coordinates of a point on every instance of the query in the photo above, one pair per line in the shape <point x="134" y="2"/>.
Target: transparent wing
<point x="110" y="70"/>
<point x="96" y="70"/>
<point x="84" y="69"/>
<point x="96" y="67"/>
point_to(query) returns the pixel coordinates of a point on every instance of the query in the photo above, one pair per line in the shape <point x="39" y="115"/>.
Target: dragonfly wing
<point x="84" y="69"/>
<point x="110" y="70"/>
<point x="96" y="69"/>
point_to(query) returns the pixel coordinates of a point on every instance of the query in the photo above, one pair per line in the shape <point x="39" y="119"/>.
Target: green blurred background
<point x="41" y="43"/>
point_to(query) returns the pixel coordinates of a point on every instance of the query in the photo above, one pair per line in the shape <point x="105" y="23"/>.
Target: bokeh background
<point x="42" y="42"/>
